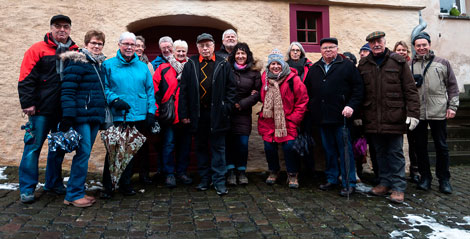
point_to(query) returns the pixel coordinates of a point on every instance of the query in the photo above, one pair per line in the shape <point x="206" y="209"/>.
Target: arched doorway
<point x="184" y="27"/>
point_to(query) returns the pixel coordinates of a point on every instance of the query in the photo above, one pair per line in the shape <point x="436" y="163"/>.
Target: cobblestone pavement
<point x="254" y="211"/>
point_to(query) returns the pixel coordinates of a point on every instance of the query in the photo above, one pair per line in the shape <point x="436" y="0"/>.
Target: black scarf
<point x="298" y="65"/>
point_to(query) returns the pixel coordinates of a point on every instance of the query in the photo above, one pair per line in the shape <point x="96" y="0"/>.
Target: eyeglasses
<point x="64" y="26"/>
<point x="325" y="48"/>
<point x="140" y="46"/>
<point x="98" y="44"/>
<point x="205" y="45"/>
<point x="295" y="50"/>
<point x="126" y="45"/>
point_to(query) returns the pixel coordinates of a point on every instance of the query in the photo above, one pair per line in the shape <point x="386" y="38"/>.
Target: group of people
<point x="209" y="97"/>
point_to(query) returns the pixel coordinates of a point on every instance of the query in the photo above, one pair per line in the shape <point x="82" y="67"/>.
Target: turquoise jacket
<point x="131" y="82"/>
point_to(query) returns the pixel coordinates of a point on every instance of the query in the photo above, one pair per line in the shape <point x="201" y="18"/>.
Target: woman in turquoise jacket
<point x="129" y="91"/>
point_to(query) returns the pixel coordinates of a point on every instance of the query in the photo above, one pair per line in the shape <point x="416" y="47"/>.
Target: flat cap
<point x="61" y="17"/>
<point x="422" y="35"/>
<point x="329" y="39"/>
<point x="204" y="37"/>
<point x="375" y="35"/>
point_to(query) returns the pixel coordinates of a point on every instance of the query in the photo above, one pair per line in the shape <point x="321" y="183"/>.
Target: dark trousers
<point x="272" y="156"/>
<point x="125" y="180"/>
<point x="412" y="151"/>
<point x="439" y="135"/>
<point x="236" y="152"/>
<point x="391" y="161"/>
<point x="210" y="168"/>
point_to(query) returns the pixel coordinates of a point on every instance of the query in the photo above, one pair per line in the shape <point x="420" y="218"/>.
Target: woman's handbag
<point x="303" y="143"/>
<point x="108" y="116"/>
<point x="167" y="111"/>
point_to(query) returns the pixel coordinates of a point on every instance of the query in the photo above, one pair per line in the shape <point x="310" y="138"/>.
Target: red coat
<point x="165" y="84"/>
<point x="294" y="103"/>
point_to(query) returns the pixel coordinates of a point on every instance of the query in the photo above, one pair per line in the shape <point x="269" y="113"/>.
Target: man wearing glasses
<point x="207" y="95"/>
<point x="39" y="93"/>
<point x="391" y="105"/>
<point x="335" y="90"/>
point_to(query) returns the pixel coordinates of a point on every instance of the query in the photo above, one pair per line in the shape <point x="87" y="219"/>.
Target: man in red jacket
<point x="39" y="92"/>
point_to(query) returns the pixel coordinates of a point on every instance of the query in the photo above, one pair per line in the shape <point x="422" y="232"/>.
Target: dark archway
<point x="185" y="27"/>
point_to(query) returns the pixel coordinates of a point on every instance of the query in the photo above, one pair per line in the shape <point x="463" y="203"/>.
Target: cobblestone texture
<point x="254" y="211"/>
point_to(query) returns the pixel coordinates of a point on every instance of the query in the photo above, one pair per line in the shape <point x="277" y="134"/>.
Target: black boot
<point x="231" y="178"/>
<point x="444" y="187"/>
<point x="424" y="184"/>
<point x="414" y="175"/>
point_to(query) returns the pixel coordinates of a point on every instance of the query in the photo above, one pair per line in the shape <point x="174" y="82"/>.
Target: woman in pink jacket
<point x="284" y="99"/>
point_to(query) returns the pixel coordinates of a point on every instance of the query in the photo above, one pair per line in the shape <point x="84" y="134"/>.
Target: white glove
<point x="357" y="122"/>
<point x="413" y="122"/>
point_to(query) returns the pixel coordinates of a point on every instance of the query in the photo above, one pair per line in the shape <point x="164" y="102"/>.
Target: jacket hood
<point x="74" y="56"/>
<point x="49" y="41"/>
<point x="123" y="61"/>
<point x="424" y="57"/>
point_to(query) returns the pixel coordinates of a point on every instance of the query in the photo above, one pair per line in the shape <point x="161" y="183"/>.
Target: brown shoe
<point x="397" y="197"/>
<point x="272" y="178"/>
<point x="379" y="190"/>
<point x="293" y="180"/>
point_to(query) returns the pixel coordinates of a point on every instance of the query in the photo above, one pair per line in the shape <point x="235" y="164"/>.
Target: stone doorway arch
<point x="185" y="27"/>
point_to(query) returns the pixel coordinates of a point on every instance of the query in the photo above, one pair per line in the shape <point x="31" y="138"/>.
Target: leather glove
<point x="150" y="120"/>
<point x="65" y="124"/>
<point x="119" y="104"/>
<point x="413" y="122"/>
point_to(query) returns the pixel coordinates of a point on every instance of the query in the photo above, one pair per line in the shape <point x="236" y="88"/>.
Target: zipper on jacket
<point x="88" y="100"/>
<point x="379" y="91"/>
<point x="197" y="83"/>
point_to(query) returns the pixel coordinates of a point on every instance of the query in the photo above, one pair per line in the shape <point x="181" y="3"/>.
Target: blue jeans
<point x="79" y="169"/>
<point x="236" y="151"/>
<point x="333" y="143"/>
<point x="175" y="136"/>
<point x="28" y="171"/>
<point x="292" y="161"/>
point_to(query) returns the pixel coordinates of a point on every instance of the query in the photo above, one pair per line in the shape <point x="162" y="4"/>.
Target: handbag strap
<point x="101" y="82"/>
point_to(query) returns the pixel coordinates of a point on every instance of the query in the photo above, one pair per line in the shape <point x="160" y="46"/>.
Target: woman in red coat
<point x="284" y="98"/>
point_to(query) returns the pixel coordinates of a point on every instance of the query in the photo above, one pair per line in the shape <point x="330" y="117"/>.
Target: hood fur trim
<point x="74" y="56"/>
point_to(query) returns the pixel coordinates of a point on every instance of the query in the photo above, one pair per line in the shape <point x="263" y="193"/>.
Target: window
<point x="447" y="5"/>
<point x="309" y="24"/>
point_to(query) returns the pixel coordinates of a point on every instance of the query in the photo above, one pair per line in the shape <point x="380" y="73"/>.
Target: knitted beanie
<point x="276" y="55"/>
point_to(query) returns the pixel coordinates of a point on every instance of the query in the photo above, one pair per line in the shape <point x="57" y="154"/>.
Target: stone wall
<point x="264" y="25"/>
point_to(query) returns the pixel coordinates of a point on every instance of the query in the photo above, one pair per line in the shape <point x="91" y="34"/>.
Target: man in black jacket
<point x="39" y="92"/>
<point x="335" y="90"/>
<point x="207" y="95"/>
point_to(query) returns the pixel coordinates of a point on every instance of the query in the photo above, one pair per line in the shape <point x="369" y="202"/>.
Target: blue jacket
<point x="158" y="61"/>
<point x="131" y="82"/>
<point x="82" y="95"/>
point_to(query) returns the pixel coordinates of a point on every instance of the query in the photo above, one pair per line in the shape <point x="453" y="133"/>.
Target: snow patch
<point x="2" y="176"/>
<point x="439" y="231"/>
<point x="467" y="221"/>
<point x="9" y="186"/>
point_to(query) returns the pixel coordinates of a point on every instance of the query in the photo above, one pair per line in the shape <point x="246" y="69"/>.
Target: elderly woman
<point x="402" y="49"/>
<point x="129" y="91"/>
<point x="248" y="81"/>
<point x="284" y="98"/>
<point x="139" y="50"/>
<point x="297" y="60"/>
<point x="83" y="104"/>
<point x="174" y="134"/>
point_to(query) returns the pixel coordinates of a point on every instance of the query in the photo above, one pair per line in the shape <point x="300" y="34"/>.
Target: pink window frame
<point x="323" y="24"/>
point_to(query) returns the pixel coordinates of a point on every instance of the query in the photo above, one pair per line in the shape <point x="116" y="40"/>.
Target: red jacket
<point x="165" y="84"/>
<point x="294" y="103"/>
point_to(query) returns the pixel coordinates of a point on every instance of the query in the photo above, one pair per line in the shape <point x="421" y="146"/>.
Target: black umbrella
<point x="346" y="154"/>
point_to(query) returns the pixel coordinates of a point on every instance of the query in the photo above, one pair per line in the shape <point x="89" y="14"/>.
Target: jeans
<point x="175" y="136"/>
<point x="79" y="169"/>
<point x="28" y="170"/>
<point x="389" y="150"/>
<point x="204" y="139"/>
<point x="439" y="135"/>
<point x="236" y="151"/>
<point x="292" y="161"/>
<point x="125" y="180"/>
<point x="334" y="145"/>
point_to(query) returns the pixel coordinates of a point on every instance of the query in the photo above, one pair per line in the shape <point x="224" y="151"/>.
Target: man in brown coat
<point x="390" y="103"/>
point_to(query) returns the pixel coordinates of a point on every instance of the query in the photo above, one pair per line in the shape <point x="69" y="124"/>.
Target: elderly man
<point x="439" y="95"/>
<point x="229" y="40"/>
<point x="39" y="92"/>
<point x="207" y="95"/>
<point x="335" y="90"/>
<point x="390" y="103"/>
<point x="166" y="47"/>
<point x="129" y="91"/>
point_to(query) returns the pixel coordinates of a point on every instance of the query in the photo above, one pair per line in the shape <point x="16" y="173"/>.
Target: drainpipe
<point x="419" y="28"/>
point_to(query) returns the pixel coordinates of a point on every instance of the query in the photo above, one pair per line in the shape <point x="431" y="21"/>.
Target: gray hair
<point x="180" y="43"/>
<point x="229" y="31"/>
<point x="141" y="38"/>
<point x="296" y="43"/>
<point x="127" y="35"/>
<point x="165" y="39"/>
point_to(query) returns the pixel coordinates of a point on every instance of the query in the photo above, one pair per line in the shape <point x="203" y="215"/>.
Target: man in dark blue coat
<point x="207" y="95"/>
<point x="335" y="90"/>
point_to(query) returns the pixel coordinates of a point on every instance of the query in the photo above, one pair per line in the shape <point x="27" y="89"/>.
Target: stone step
<point x="454" y="145"/>
<point x="456" y="158"/>
<point x="455" y="132"/>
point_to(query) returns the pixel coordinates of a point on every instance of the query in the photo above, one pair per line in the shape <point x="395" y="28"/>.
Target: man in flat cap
<point x="39" y="92"/>
<point x="207" y="95"/>
<point x="390" y="105"/>
<point x="439" y="96"/>
<point x="335" y="91"/>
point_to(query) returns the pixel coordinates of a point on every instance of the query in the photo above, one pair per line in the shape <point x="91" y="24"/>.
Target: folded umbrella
<point x="67" y="141"/>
